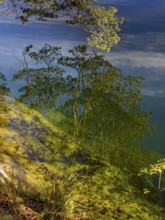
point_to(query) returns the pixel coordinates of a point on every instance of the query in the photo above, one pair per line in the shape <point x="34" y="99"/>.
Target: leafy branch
<point x="158" y="170"/>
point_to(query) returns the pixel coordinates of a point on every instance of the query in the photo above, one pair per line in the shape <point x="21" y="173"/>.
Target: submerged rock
<point x="46" y="166"/>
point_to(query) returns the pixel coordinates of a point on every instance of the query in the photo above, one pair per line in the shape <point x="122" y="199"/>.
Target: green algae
<point x="62" y="173"/>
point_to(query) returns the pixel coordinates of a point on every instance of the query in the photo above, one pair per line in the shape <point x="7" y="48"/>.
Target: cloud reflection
<point x="148" y="60"/>
<point x="149" y="65"/>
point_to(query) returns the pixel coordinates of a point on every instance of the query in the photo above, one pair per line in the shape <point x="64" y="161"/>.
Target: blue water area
<point x="141" y="50"/>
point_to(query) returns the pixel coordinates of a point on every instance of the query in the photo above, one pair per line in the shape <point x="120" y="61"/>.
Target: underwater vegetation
<point x="79" y="159"/>
<point x="49" y="175"/>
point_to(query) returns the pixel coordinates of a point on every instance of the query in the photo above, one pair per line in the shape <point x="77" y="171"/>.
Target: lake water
<point x="141" y="51"/>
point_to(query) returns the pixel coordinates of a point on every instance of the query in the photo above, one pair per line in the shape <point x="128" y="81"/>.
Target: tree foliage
<point x="155" y="176"/>
<point x="99" y="104"/>
<point x="3" y="85"/>
<point x="156" y="170"/>
<point x="100" y="22"/>
<point x="43" y="79"/>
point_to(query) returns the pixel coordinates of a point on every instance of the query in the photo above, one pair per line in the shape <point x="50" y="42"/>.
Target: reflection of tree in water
<point x="101" y="108"/>
<point x="43" y="78"/>
<point x="4" y="90"/>
<point x="100" y="22"/>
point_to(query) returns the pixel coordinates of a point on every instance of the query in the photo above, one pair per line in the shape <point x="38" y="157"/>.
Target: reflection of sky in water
<point x="140" y="52"/>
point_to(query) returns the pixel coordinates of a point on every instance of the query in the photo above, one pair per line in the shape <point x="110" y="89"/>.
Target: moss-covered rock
<point x="42" y="164"/>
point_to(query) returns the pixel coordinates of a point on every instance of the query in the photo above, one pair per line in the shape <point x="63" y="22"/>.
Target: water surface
<point x="140" y="51"/>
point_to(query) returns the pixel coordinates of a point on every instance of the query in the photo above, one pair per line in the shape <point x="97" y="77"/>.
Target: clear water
<point x="140" y="51"/>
